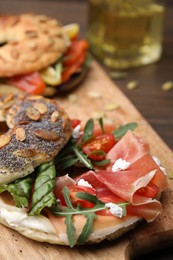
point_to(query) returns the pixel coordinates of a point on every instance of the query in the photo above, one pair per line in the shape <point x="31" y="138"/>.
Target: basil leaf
<point x="88" y="130"/>
<point x="122" y="130"/>
<point x="87" y="229"/>
<point x="70" y="229"/>
<point x="20" y="191"/>
<point x="102" y="163"/>
<point x="82" y="157"/>
<point x="43" y="195"/>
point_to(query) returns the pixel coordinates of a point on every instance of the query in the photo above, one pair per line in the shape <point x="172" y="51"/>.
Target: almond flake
<point x="4" y="140"/>
<point x="20" y="134"/>
<point x="167" y="86"/>
<point x="47" y="135"/>
<point x="8" y="98"/>
<point x="34" y="97"/>
<point x="111" y="107"/>
<point x="54" y="116"/>
<point x="94" y="94"/>
<point x="32" y="45"/>
<point x="33" y="113"/>
<point x="27" y="153"/>
<point x="42" y="108"/>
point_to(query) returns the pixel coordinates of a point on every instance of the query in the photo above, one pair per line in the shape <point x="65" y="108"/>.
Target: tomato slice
<point x="77" y="201"/>
<point x="75" y="51"/>
<point x="31" y="83"/>
<point x="97" y="147"/>
<point x="150" y="191"/>
<point x="74" y="58"/>
<point x="108" y="129"/>
<point x="71" y="69"/>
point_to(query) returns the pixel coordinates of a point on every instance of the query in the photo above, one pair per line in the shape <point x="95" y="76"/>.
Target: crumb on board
<point x="132" y="84"/>
<point x="72" y="98"/>
<point x="111" y="107"/>
<point x="94" y="94"/>
<point x="166" y="86"/>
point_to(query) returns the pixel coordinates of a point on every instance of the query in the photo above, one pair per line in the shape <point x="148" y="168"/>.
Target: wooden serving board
<point x="110" y="102"/>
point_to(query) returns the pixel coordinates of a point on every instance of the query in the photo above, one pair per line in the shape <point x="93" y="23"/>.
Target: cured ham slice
<point x="125" y="184"/>
<point x="130" y="148"/>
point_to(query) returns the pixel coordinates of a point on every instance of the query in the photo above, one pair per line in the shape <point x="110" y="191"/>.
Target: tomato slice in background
<point x="31" y="83"/>
<point x="150" y="191"/>
<point x="75" y="51"/>
<point x="71" y="69"/>
<point x="74" y="58"/>
<point x="101" y="143"/>
<point x="77" y="201"/>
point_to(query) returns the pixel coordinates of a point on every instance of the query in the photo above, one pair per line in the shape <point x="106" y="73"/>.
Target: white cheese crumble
<point x="82" y="182"/>
<point x="115" y="209"/>
<point x="120" y="164"/>
<point x="76" y="132"/>
<point x="157" y="161"/>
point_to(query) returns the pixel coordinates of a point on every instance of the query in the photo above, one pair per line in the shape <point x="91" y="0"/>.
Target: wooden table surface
<point x="153" y="103"/>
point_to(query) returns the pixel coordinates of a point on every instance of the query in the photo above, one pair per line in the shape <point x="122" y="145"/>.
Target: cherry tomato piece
<point x="31" y="83"/>
<point x="75" y="200"/>
<point x="150" y="191"/>
<point x="97" y="147"/>
<point x="75" y="122"/>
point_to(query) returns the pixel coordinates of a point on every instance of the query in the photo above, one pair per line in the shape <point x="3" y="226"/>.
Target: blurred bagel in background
<point x="38" y="55"/>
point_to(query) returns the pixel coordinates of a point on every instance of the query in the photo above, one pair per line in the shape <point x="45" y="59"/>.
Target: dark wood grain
<point x="154" y="104"/>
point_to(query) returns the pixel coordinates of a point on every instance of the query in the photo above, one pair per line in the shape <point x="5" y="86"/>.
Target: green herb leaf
<point x="122" y="130"/>
<point x="20" y="191"/>
<point x="88" y="130"/>
<point x="89" y="213"/>
<point x="66" y="162"/>
<point x="82" y="157"/>
<point x="66" y="194"/>
<point x="87" y="229"/>
<point x="102" y="163"/>
<point x="101" y="124"/>
<point x="70" y="229"/>
<point x="43" y="195"/>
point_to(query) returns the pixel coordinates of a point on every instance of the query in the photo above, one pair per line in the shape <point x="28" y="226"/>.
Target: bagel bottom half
<point x="41" y="229"/>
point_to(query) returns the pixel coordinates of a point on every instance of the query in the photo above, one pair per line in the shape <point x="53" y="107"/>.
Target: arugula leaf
<point x="43" y="195"/>
<point x="122" y="130"/>
<point x="87" y="229"/>
<point x="20" y="191"/>
<point x="66" y="162"/>
<point x="89" y="213"/>
<point x="101" y="124"/>
<point x="102" y="163"/>
<point x="70" y="229"/>
<point x="88" y="130"/>
<point x="82" y="157"/>
<point x="66" y="194"/>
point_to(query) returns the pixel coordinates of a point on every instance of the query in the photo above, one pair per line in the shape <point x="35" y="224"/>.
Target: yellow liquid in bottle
<point x="125" y="36"/>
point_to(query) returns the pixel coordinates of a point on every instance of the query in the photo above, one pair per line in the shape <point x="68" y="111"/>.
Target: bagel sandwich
<point x="40" y="56"/>
<point x="68" y="190"/>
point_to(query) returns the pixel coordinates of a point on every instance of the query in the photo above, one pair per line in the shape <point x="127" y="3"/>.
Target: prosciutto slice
<point x="130" y="148"/>
<point x="125" y="184"/>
